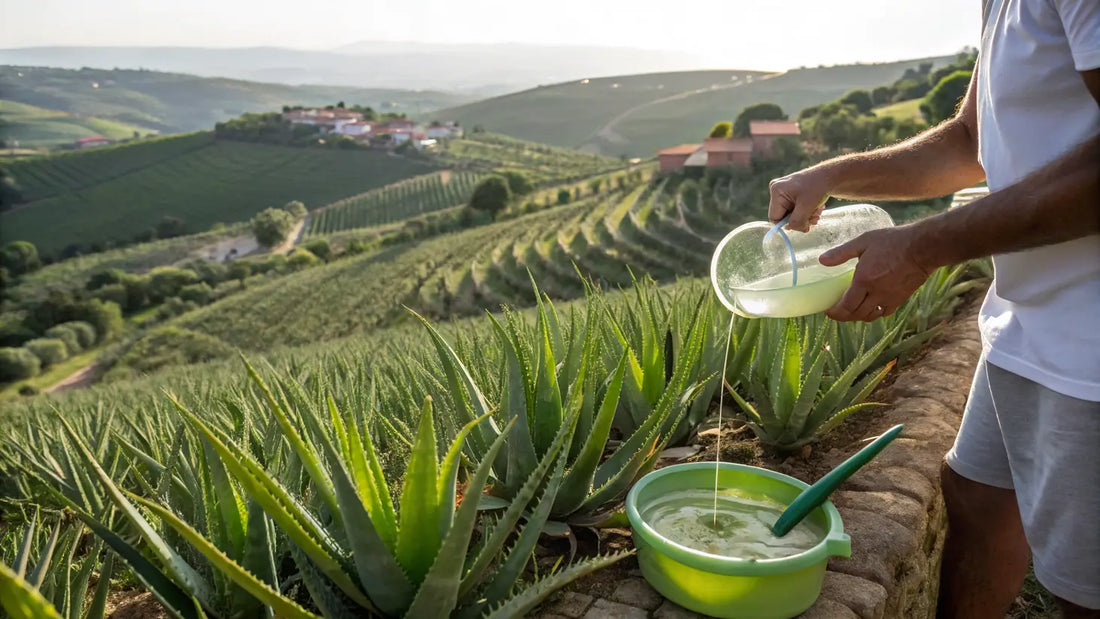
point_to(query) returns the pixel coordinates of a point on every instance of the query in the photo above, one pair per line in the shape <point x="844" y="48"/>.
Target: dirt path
<point x="607" y="132"/>
<point x="79" y="379"/>
<point x="292" y="237"/>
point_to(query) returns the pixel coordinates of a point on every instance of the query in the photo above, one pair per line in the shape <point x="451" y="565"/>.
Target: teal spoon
<point x="778" y="227"/>
<point x="818" y="493"/>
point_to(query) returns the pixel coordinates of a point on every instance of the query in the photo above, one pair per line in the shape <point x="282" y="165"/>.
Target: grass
<point x="571" y="114"/>
<point x="902" y="110"/>
<point x="204" y="182"/>
<point x="34" y="126"/>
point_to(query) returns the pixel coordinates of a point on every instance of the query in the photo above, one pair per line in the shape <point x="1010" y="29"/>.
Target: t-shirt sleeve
<point x="1081" y="21"/>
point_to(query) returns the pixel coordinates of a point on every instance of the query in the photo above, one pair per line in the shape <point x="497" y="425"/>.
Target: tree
<point x="564" y="196"/>
<point x="861" y="99"/>
<point x="296" y="209"/>
<point x="302" y="258"/>
<point x="20" y="257"/>
<point x="239" y="270"/>
<point x="17" y="364"/>
<point x="723" y="129"/>
<point x="105" y="316"/>
<point x="271" y="225"/>
<point x="760" y="111"/>
<point x="491" y="195"/>
<point x="165" y="282"/>
<point x="518" y="182"/>
<point x="941" y="103"/>
<point x="67" y="336"/>
<point x="882" y="95"/>
<point x="594" y="185"/>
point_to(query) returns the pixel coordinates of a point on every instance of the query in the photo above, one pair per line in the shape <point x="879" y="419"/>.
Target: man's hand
<point x="888" y="273"/>
<point x="802" y="195"/>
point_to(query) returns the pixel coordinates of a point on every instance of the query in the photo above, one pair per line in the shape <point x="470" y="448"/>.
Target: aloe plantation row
<point x="414" y="479"/>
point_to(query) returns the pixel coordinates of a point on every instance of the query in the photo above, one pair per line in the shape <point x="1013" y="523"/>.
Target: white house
<point x="354" y="128"/>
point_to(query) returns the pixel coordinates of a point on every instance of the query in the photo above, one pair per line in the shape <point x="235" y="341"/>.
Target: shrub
<point x="723" y="129"/>
<point x="28" y="390"/>
<point x="115" y="293"/>
<point x="239" y="270"/>
<point x="213" y="273"/>
<point x="356" y="246"/>
<point x="166" y="282"/>
<point x="564" y="196"/>
<point x="105" y="278"/>
<point x="13" y="332"/>
<point x="518" y="183"/>
<point x="170" y="346"/>
<point x="20" y="257"/>
<point x="199" y="293"/>
<point x="50" y="351"/>
<point x="860" y="99"/>
<point x="319" y="248"/>
<point x="104" y="316"/>
<point x="270" y="226"/>
<point x="174" y="307"/>
<point x="302" y="258"/>
<point x="943" y="100"/>
<point x="85" y="333"/>
<point x="17" y="364"/>
<point x="67" y="336"/>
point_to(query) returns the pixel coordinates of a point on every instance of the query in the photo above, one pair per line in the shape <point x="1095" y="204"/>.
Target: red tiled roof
<point x="728" y="145"/>
<point x="683" y="149"/>
<point x="773" y="127"/>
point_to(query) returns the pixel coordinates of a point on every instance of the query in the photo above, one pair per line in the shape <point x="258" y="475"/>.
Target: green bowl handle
<point x="818" y="493"/>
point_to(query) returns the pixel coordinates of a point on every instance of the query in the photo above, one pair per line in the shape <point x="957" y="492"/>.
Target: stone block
<point x="865" y="598"/>
<point x="570" y="604"/>
<point x="671" y="610"/>
<point x="879" y="547"/>
<point x="637" y="592"/>
<point x="902" y="509"/>
<point x="828" y="609"/>
<point x="877" y="478"/>
<point x="606" y="609"/>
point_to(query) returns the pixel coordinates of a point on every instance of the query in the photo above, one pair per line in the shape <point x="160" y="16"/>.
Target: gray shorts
<point x="1020" y="435"/>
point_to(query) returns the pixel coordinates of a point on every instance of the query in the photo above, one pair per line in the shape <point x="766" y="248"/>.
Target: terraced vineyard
<point x="644" y="229"/>
<point x="540" y="161"/>
<point x="123" y="191"/>
<point x="401" y="200"/>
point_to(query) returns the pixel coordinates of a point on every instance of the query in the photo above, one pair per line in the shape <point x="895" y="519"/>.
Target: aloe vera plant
<point x="791" y="398"/>
<point x="46" y="578"/>
<point x="651" y="333"/>
<point x="547" y="380"/>
<point x="358" y="553"/>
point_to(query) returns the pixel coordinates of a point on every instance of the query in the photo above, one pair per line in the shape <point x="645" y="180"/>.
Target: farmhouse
<point x="728" y="152"/>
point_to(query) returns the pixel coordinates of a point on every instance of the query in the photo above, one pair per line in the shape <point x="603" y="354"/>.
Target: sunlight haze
<point x="710" y="33"/>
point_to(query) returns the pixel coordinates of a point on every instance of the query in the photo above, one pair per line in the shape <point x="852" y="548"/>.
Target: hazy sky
<point x="775" y="34"/>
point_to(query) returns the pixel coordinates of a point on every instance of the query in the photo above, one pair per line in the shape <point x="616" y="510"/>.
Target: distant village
<point x="390" y="132"/>
<point x="384" y="133"/>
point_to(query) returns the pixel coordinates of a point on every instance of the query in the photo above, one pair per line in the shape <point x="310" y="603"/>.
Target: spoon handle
<point x="818" y="493"/>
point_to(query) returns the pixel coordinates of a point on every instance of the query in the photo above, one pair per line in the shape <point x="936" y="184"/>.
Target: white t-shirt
<point x="1041" y="317"/>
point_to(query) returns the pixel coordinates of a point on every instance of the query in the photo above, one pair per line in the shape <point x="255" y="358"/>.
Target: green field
<point x="902" y="110"/>
<point x="89" y="197"/>
<point x="648" y="112"/>
<point x="34" y="126"/>
<point x="173" y="102"/>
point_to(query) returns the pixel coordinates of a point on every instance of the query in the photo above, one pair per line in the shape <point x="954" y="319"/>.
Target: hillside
<point x="33" y="126"/>
<point x="174" y="102"/>
<point x="636" y="115"/>
<point x="117" y="193"/>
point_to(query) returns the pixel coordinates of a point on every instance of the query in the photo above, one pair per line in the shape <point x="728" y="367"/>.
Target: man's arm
<point x="937" y="162"/>
<point x="1059" y="202"/>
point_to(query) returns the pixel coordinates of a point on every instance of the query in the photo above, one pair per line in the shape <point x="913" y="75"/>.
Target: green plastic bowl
<point x="729" y="587"/>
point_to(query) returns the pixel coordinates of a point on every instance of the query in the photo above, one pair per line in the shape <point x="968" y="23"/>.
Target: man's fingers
<point x="778" y="205"/>
<point x="846" y="308"/>
<point x="843" y="253"/>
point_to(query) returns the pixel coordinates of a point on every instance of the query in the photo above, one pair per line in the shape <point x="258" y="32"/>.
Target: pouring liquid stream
<point x="721" y="397"/>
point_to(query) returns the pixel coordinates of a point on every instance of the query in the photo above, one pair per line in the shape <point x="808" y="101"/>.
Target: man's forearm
<point x="1060" y="202"/>
<point x="937" y="162"/>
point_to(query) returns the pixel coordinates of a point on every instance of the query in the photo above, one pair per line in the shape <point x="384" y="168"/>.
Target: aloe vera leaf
<point x="20" y="600"/>
<point x="529" y="597"/>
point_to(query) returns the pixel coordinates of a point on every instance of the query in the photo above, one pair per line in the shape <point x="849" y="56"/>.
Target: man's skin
<point x="986" y="554"/>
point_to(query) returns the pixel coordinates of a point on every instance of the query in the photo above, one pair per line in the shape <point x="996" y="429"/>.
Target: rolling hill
<point x="638" y="114"/>
<point x="174" y="102"/>
<point x="34" y="126"/>
<point x="116" y="193"/>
